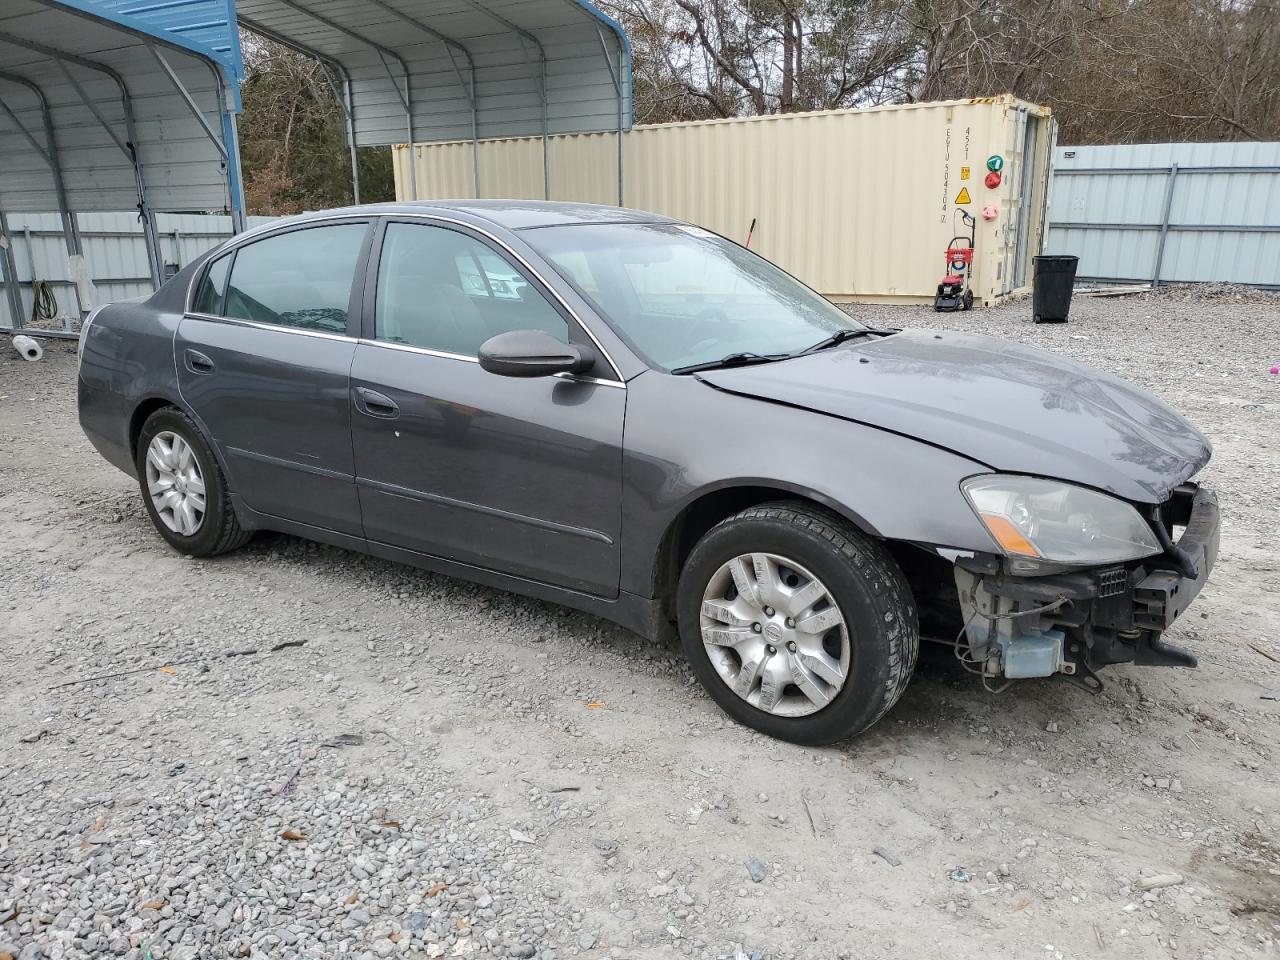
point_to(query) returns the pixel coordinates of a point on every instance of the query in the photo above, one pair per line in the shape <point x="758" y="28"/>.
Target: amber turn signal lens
<point x="1008" y="536"/>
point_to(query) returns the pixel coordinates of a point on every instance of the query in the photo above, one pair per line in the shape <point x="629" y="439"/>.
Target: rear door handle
<point x="375" y="404"/>
<point x="197" y="362"/>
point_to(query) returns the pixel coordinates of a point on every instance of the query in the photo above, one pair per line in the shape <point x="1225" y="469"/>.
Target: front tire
<point x="798" y="625"/>
<point x="183" y="487"/>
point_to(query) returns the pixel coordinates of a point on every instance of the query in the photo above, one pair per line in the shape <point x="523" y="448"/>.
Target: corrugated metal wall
<point x="1169" y="211"/>
<point x="586" y="63"/>
<point x="860" y="204"/>
<point x="182" y="165"/>
<point x="114" y="252"/>
<point x="210" y="24"/>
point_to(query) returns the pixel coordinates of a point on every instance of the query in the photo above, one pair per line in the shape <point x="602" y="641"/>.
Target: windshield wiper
<point x="840" y="336"/>
<point x="733" y="360"/>
<point x="746" y="358"/>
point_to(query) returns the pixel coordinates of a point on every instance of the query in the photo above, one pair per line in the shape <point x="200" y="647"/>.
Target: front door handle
<point x="375" y="404"/>
<point x="197" y="362"/>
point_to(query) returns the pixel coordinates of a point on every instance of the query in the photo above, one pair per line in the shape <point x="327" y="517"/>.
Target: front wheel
<point x="797" y="624"/>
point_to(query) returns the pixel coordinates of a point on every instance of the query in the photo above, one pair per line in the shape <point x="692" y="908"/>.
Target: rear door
<point x="521" y="476"/>
<point x="264" y="360"/>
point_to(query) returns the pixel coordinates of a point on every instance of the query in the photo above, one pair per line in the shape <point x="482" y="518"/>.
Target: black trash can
<point x="1053" y="279"/>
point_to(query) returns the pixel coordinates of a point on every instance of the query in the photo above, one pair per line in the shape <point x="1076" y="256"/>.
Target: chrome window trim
<point x="410" y="348"/>
<point x="280" y="328"/>
<point x="262" y="233"/>
<point x="244" y="239"/>
<point x="444" y="355"/>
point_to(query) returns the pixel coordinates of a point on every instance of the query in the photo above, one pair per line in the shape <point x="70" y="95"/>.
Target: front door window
<point x="446" y="291"/>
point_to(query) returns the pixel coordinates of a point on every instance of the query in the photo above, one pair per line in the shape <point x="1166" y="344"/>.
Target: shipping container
<point x="860" y="204"/>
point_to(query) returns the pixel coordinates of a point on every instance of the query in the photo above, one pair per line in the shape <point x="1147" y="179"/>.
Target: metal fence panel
<point x="115" y="255"/>
<point x="1169" y="212"/>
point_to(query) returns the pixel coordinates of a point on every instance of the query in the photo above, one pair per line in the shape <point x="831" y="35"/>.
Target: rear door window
<point x="298" y="279"/>
<point x="213" y="288"/>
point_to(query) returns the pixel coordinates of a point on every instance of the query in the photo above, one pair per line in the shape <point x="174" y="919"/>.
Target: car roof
<point x="511" y="214"/>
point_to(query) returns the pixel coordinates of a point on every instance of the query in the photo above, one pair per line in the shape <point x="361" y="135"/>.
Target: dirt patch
<point x="446" y="770"/>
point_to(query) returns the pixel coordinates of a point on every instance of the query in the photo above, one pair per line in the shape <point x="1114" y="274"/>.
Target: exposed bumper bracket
<point x="1161" y="596"/>
<point x="1154" y="652"/>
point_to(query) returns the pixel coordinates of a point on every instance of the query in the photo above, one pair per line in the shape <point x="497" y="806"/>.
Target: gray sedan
<point x="638" y="418"/>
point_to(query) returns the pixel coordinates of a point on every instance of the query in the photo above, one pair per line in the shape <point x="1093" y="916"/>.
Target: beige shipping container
<point x="860" y="204"/>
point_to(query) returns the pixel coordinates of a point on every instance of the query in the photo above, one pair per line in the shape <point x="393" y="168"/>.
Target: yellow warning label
<point x="963" y="196"/>
<point x="964" y="173"/>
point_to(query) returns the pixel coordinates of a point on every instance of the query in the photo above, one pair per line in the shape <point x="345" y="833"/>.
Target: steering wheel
<point x="698" y="327"/>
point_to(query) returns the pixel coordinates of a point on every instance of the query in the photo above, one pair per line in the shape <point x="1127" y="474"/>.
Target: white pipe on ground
<point x="28" y="348"/>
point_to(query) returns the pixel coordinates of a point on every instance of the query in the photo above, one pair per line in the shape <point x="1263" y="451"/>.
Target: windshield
<point x="680" y="295"/>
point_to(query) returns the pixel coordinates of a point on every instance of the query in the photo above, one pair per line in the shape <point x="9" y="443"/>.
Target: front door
<point x="521" y="476"/>
<point x="264" y="359"/>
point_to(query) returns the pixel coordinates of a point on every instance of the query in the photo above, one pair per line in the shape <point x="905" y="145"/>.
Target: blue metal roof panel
<point x="206" y="27"/>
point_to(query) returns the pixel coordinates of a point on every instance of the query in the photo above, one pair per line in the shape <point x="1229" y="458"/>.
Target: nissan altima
<point x="636" y="417"/>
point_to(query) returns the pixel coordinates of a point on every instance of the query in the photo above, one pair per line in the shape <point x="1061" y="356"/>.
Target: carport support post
<point x="127" y="147"/>
<point x="542" y="96"/>
<point x="546" y="139"/>
<point x="1164" y="224"/>
<point x="70" y="229"/>
<point x="622" y="55"/>
<point x="406" y="97"/>
<point x="413" y="147"/>
<point x="350" y="111"/>
<point x="475" y="123"/>
<point x="232" y="136"/>
<point x="12" y="292"/>
<point x="346" y="97"/>
<point x="49" y="153"/>
<point x="470" y="93"/>
<point x="615" y="74"/>
<point x="539" y="78"/>
<point x="346" y="103"/>
<point x="229" y="145"/>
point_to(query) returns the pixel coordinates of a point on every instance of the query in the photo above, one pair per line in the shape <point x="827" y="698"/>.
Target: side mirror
<point x="533" y="353"/>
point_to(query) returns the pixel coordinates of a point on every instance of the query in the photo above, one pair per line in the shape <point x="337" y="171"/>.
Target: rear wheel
<point x="797" y="624"/>
<point x="183" y="488"/>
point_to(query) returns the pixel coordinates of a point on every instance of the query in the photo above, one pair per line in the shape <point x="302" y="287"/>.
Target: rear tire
<point x="183" y="487"/>
<point x="805" y="687"/>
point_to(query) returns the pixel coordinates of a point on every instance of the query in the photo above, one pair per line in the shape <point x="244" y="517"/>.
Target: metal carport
<point x="414" y="71"/>
<point x="104" y="110"/>
<point x="109" y="105"/>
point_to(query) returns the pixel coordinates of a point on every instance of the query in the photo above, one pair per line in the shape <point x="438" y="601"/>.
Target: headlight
<point x="1059" y="523"/>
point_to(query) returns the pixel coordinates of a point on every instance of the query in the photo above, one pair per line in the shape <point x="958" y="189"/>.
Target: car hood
<point x="1012" y="407"/>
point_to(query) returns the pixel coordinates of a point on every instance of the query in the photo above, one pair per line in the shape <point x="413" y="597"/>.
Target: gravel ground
<point x="427" y="768"/>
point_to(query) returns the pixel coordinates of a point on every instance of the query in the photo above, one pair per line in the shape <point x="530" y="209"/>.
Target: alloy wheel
<point x="775" y="634"/>
<point x="175" y="484"/>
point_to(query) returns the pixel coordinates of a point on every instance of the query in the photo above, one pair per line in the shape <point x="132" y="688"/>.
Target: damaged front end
<point x="1027" y="616"/>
